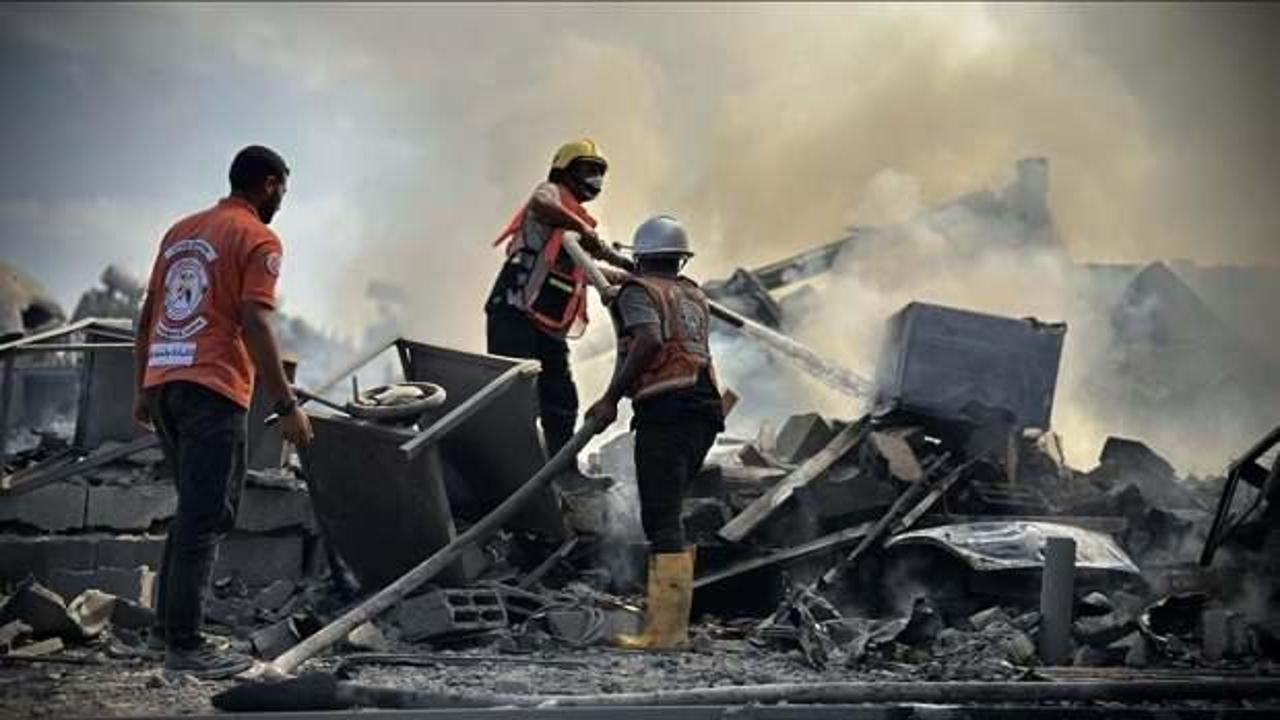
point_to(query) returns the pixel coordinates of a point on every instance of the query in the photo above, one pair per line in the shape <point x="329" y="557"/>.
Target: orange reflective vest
<point x="685" y="319"/>
<point x="552" y="287"/>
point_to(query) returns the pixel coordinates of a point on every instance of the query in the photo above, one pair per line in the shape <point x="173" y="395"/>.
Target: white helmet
<point x="661" y="235"/>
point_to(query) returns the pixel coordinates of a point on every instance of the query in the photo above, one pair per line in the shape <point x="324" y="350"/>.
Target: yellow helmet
<point x="584" y="149"/>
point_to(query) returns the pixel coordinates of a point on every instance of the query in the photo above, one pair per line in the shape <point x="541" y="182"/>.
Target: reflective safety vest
<point x="549" y="286"/>
<point x="685" y="320"/>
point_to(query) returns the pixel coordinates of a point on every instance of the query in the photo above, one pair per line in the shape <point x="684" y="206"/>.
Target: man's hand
<point x="141" y="414"/>
<point x="603" y="412"/>
<point x="296" y="428"/>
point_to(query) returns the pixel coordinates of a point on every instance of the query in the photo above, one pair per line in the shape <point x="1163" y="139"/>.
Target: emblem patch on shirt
<point x="186" y="285"/>
<point x="693" y="320"/>
<point x="273" y="264"/>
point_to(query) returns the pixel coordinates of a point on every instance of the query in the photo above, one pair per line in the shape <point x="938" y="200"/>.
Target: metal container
<point x="387" y="497"/>
<point x="940" y="362"/>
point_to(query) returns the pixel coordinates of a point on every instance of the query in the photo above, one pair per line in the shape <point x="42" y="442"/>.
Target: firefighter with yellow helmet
<point x="539" y="299"/>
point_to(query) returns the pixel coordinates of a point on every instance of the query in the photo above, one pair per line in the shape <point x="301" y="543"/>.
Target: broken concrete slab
<point x="270" y="509"/>
<point x="1130" y="461"/>
<point x="133" y="584"/>
<point x="55" y="507"/>
<point x="131" y="507"/>
<point x="91" y="610"/>
<point x="260" y="560"/>
<point x="801" y="436"/>
<point x="274" y="596"/>
<point x="367" y="637"/>
<point x="40" y="608"/>
<point x="902" y="460"/>
<point x="1102" y="630"/>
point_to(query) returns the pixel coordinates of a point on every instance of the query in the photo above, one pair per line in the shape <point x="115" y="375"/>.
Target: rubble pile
<point x="910" y="540"/>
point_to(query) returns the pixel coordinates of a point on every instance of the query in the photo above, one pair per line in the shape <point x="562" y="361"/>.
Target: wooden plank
<point x="760" y="510"/>
<point x="826" y="542"/>
<point x="905" y="500"/>
<point x="929" y="500"/>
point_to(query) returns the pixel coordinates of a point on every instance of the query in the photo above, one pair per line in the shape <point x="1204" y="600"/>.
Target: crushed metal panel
<point x="106" y="394"/>
<point x="384" y="513"/>
<point x="937" y="361"/>
<point x="496" y="448"/>
<point x="1019" y="545"/>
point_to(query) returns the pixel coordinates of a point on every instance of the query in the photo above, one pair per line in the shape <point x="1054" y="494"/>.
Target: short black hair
<point x="253" y="165"/>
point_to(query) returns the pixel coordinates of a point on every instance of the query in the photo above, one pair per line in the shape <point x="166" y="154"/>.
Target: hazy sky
<point x="415" y="131"/>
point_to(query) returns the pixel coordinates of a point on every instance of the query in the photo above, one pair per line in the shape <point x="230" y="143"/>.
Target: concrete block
<point x="274" y="596"/>
<point x="40" y="608"/>
<point x="260" y="560"/>
<point x="21" y="556"/>
<point x="367" y="638"/>
<point x="447" y="612"/>
<point x="802" y="436"/>
<point x="131" y="507"/>
<point x="128" y="551"/>
<point x="53" y="508"/>
<point x="1100" y="631"/>
<point x="132" y="616"/>
<point x="134" y="584"/>
<point x="272" y="641"/>
<point x="268" y="509"/>
<point x="91" y="610"/>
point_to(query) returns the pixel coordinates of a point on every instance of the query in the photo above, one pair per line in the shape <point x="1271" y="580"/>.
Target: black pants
<point x="668" y="456"/>
<point x="203" y="436"/>
<point x="509" y="332"/>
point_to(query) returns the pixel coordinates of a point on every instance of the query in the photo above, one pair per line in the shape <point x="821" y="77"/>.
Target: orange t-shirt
<point x="208" y="264"/>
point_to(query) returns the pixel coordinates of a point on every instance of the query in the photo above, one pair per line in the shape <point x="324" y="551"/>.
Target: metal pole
<point x="1057" y="594"/>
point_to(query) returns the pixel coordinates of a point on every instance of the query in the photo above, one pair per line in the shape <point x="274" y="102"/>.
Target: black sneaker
<point x="205" y="663"/>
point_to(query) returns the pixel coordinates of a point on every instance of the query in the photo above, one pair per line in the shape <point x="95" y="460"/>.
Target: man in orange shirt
<point x="204" y="328"/>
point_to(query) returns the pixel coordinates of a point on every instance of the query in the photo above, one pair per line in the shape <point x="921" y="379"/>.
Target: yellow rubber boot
<point x="666" y="625"/>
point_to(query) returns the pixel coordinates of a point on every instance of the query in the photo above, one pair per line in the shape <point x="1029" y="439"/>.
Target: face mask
<point x="587" y="182"/>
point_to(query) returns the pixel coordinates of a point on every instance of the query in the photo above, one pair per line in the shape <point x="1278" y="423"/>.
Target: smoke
<point x="416" y="131"/>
